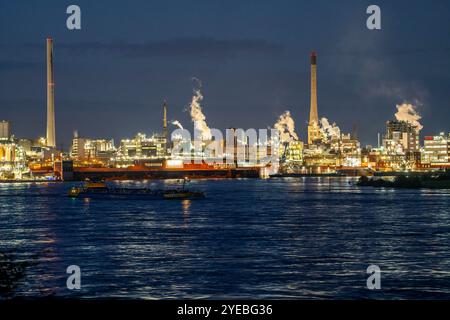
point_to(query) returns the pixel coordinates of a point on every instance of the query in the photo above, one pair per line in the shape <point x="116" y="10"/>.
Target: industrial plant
<point x="327" y="151"/>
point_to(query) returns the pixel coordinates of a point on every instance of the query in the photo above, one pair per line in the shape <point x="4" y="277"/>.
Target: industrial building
<point x="400" y="146"/>
<point x="5" y="130"/>
<point x="436" y="151"/>
<point x="101" y="150"/>
<point x="13" y="163"/>
<point x="142" y="147"/>
<point x="401" y="136"/>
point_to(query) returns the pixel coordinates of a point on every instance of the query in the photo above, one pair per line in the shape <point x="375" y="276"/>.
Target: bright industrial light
<point x="174" y="163"/>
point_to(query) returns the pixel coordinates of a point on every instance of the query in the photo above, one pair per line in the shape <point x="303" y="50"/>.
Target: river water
<point x="309" y="238"/>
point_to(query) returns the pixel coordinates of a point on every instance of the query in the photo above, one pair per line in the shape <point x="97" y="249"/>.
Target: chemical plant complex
<point x="327" y="151"/>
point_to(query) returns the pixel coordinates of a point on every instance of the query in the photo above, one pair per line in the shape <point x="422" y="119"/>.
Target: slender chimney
<point x="313" y="125"/>
<point x="51" y="139"/>
<point x="313" y="116"/>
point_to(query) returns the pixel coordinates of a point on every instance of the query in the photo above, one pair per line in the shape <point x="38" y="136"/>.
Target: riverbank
<point x="413" y="181"/>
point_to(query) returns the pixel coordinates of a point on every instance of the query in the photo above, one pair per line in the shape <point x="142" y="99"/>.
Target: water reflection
<point x="186" y="204"/>
<point x="277" y="238"/>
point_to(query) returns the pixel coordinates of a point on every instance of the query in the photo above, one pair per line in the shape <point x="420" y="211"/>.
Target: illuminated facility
<point x="86" y="150"/>
<point x="13" y="163"/>
<point x="328" y="150"/>
<point x="436" y="151"/>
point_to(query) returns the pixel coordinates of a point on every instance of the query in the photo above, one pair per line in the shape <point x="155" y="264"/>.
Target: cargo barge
<point x="147" y="170"/>
<point x="99" y="190"/>
<point x="137" y="174"/>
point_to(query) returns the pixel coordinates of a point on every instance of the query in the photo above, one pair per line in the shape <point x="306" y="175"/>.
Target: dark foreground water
<point x="280" y="238"/>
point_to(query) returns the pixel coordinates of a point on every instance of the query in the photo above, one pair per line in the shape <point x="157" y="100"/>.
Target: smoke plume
<point x="197" y="116"/>
<point x="329" y="132"/>
<point x="178" y="124"/>
<point x="407" y="112"/>
<point x="286" y="126"/>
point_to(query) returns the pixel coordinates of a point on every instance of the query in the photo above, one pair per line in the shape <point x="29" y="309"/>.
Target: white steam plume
<point x="407" y="112"/>
<point x="329" y="132"/>
<point x="286" y="126"/>
<point x="198" y="117"/>
<point x="178" y="124"/>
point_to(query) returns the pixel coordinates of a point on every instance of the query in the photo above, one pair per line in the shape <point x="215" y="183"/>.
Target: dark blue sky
<point x="252" y="57"/>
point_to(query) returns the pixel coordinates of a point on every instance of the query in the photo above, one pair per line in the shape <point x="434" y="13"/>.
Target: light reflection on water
<point x="276" y="238"/>
<point x="186" y="211"/>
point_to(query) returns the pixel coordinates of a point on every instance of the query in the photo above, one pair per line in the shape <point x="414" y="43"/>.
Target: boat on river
<point x="100" y="190"/>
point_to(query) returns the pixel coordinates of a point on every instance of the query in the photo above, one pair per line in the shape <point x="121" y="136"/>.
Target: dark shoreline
<point x="304" y="175"/>
<point x="409" y="181"/>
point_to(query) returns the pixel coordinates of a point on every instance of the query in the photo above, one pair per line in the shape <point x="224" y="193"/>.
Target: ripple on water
<point x="280" y="238"/>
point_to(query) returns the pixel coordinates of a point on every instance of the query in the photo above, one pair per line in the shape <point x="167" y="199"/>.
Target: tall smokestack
<point x="313" y="116"/>
<point x="165" y="133"/>
<point x="313" y="126"/>
<point x="51" y="139"/>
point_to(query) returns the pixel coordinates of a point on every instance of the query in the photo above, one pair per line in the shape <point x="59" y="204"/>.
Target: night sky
<point x="251" y="56"/>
